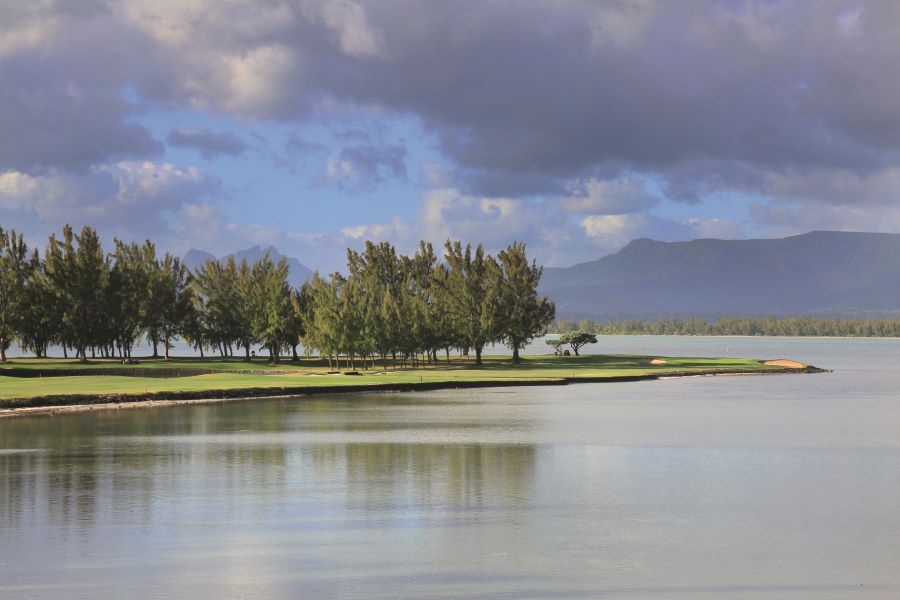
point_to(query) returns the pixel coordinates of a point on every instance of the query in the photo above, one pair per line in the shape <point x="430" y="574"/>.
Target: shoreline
<point x="16" y="353"/>
<point x="72" y="403"/>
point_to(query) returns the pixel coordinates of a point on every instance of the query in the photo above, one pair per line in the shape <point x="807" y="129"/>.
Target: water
<point x="727" y="487"/>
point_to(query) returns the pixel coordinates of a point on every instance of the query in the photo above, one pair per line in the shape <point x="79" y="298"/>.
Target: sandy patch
<point x="657" y="361"/>
<point x="781" y="362"/>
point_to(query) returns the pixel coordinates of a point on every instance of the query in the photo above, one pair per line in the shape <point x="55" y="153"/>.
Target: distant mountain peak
<point x="824" y="273"/>
<point x="297" y="271"/>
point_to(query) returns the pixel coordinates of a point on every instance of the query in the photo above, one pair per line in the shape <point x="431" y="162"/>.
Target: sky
<point x="574" y="126"/>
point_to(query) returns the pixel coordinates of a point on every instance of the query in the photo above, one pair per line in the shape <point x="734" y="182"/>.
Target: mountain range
<point x="297" y="271"/>
<point x="822" y="273"/>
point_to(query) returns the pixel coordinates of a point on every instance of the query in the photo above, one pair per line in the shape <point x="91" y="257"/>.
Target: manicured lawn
<point x="237" y="363"/>
<point x="312" y="372"/>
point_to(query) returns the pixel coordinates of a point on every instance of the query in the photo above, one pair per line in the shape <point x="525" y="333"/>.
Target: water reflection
<point x="73" y="472"/>
<point x="738" y="488"/>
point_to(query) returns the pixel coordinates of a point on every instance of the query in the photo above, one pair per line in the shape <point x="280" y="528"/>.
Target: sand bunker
<point x="657" y="361"/>
<point x="781" y="362"/>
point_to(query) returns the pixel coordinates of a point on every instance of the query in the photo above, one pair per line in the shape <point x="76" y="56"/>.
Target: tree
<point x="469" y="287"/>
<point x="39" y="324"/>
<point x="323" y="331"/>
<point x="523" y="315"/>
<point x="295" y="331"/>
<point x="242" y="305"/>
<point x="56" y="275"/>
<point x="127" y="295"/>
<point x="151" y="305"/>
<point x="556" y="344"/>
<point x="175" y="297"/>
<point x="84" y="276"/>
<point x="378" y="284"/>
<point x="218" y="303"/>
<point x="577" y="339"/>
<point x="272" y="313"/>
<point x="195" y="329"/>
<point x="14" y="267"/>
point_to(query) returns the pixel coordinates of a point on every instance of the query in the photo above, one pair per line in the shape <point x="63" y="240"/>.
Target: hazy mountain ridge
<point x="824" y="273"/>
<point x="298" y="272"/>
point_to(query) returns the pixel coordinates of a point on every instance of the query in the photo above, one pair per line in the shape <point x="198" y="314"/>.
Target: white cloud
<point x="613" y="230"/>
<point x="348" y="21"/>
<point x="610" y="197"/>
<point x="128" y="196"/>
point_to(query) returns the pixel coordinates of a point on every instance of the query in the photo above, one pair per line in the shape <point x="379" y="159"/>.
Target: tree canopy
<point x="386" y="304"/>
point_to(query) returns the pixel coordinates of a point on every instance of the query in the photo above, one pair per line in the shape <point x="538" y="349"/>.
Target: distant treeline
<point x="79" y="297"/>
<point x="772" y="326"/>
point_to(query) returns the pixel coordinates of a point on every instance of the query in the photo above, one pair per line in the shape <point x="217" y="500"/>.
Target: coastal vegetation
<point x="388" y="308"/>
<point x="575" y="340"/>
<point x="749" y="326"/>
<point x="53" y="379"/>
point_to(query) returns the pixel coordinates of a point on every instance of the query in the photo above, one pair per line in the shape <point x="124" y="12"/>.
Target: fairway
<point x="313" y="373"/>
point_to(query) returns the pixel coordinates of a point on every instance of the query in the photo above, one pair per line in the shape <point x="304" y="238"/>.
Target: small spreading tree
<point x="577" y="339"/>
<point x="556" y="344"/>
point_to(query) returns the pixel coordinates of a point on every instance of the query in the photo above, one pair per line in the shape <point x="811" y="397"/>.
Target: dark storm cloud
<point x="210" y="144"/>
<point x="559" y="89"/>
<point x="377" y="162"/>
<point x="522" y="97"/>
<point x="47" y="121"/>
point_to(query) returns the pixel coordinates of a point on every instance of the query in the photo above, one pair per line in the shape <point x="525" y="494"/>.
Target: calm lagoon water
<point x="727" y="487"/>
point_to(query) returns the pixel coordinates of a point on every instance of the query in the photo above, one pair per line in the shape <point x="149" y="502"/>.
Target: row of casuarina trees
<point x="386" y="306"/>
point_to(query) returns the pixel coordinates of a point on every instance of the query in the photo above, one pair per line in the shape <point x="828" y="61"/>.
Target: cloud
<point x="795" y="103"/>
<point x="61" y="90"/>
<point x="132" y="198"/>
<point x="639" y="85"/>
<point x="209" y="144"/>
<point x="348" y="22"/>
<point x="364" y="166"/>
<point x="616" y="197"/>
<point x="837" y="187"/>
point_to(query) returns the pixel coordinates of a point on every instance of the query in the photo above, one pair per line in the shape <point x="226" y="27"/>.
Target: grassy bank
<point x="312" y="375"/>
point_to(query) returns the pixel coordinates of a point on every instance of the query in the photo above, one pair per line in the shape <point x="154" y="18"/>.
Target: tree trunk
<point x="155" y="350"/>
<point x="200" y="348"/>
<point x="82" y="354"/>
<point x="166" y="347"/>
<point x="516" y="353"/>
<point x="294" y="356"/>
<point x="2" y="351"/>
<point x="247" y="352"/>
<point x="65" y="352"/>
<point x="478" y="355"/>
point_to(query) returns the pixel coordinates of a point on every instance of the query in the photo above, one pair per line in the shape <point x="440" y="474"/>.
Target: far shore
<point x="26" y="396"/>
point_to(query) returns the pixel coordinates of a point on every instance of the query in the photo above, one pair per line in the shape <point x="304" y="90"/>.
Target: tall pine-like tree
<point x="523" y="315"/>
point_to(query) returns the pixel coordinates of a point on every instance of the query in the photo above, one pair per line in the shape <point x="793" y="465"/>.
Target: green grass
<point x="225" y="364"/>
<point x="312" y="372"/>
